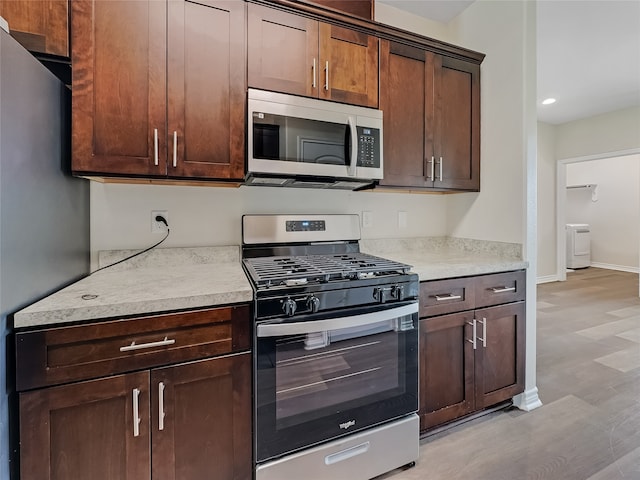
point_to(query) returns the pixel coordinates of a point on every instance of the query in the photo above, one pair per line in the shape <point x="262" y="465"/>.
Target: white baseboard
<point x="527" y="400"/>
<point x="547" y="279"/>
<point x="621" y="268"/>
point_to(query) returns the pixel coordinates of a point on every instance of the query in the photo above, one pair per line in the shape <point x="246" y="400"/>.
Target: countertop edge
<point x="107" y="312"/>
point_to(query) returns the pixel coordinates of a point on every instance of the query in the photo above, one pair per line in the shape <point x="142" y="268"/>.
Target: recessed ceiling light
<point x="548" y="101"/>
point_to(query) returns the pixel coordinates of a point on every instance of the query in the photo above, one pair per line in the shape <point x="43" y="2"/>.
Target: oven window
<point x="318" y="372"/>
<point x="276" y="137"/>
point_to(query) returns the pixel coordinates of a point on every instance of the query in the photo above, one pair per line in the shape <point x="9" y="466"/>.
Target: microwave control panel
<point x="368" y="147"/>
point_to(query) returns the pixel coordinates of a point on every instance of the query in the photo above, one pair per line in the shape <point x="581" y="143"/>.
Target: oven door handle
<point x="299" y="328"/>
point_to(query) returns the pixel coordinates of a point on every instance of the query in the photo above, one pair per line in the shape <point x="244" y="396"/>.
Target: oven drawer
<point x="65" y="354"/>
<point x="439" y="297"/>
<point x="499" y="288"/>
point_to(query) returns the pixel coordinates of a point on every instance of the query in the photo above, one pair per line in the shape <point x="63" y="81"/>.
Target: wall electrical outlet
<point x="367" y="219"/>
<point x="402" y="219"/>
<point x="159" y="227"/>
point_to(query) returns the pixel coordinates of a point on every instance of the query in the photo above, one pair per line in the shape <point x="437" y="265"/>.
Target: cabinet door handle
<point x="473" y="324"/>
<point x="140" y="346"/>
<point x="175" y="149"/>
<point x="136" y="412"/>
<point x="502" y="289"/>
<point x="427" y="161"/>
<point x="484" y="332"/>
<point x="441" y="168"/>
<point x="313" y="84"/>
<point x="155" y="146"/>
<point x="161" y="406"/>
<point x="326" y="75"/>
<point x="448" y="296"/>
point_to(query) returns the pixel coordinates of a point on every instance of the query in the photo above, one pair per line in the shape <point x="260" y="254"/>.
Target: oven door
<point x="319" y="378"/>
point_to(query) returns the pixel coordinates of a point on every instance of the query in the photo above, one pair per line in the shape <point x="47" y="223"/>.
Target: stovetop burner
<point x="299" y="270"/>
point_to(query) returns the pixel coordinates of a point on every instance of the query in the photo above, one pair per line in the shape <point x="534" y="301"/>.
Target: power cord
<point x="159" y="218"/>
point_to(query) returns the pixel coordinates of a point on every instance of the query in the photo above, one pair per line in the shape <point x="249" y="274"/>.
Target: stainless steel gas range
<point x="336" y="351"/>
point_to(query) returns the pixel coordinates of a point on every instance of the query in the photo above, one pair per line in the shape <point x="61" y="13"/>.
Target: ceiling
<point x="588" y="53"/>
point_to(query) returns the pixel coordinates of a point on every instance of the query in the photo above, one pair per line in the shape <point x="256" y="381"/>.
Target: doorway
<point x="598" y="199"/>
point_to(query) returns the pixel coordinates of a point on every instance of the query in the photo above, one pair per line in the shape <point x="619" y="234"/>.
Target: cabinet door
<point x="457" y="117"/>
<point x="446" y="368"/>
<point x="207" y="87"/>
<point x="282" y="52"/>
<point x="405" y="99"/>
<point x="205" y="431"/>
<point x="41" y="26"/>
<point x="348" y="66"/>
<point x="86" y="430"/>
<point x="500" y="356"/>
<point x="119" y="87"/>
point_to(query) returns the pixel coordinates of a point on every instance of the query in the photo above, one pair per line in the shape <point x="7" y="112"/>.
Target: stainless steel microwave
<point x="304" y="142"/>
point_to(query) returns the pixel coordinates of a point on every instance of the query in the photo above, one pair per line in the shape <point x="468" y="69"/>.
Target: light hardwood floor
<point x="588" y="365"/>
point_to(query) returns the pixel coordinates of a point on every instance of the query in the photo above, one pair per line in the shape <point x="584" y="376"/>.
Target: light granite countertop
<point x="435" y="258"/>
<point x="161" y="280"/>
<point x="182" y="278"/>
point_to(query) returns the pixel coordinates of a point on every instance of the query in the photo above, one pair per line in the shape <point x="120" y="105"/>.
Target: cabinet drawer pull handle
<point x="175" y="149"/>
<point x="473" y="324"/>
<point x="449" y="296"/>
<point x="503" y="289"/>
<point x="326" y="75"/>
<point x="155" y="146"/>
<point x="313" y="84"/>
<point x="484" y="332"/>
<point x="161" y="406"/>
<point x="140" y="346"/>
<point x="136" y="412"/>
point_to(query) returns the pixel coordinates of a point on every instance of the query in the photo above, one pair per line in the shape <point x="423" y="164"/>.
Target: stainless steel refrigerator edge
<point x="44" y="212"/>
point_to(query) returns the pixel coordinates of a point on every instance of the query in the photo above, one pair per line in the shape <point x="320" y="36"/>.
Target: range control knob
<point x="313" y="303"/>
<point x="289" y="307"/>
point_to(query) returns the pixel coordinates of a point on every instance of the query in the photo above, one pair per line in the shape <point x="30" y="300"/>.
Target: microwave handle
<point x="351" y="170"/>
<point x="301" y="328"/>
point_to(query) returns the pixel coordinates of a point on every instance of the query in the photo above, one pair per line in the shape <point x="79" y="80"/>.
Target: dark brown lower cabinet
<point x="458" y="378"/>
<point x="446" y="369"/>
<point x="86" y="430"/>
<point x="202" y="429"/>
<point x="184" y="422"/>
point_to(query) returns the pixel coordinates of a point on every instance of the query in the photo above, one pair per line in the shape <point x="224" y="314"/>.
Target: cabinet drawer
<point x="500" y="288"/>
<point x="446" y="296"/>
<point x="59" y="355"/>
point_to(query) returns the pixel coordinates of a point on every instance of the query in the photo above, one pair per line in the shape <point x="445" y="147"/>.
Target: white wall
<point x="497" y="29"/>
<point x="389" y="15"/>
<point x="199" y="216"/>
<point x="615" y="216"/>
<point x="546" y="202"/>
<point x="610" y="132"/>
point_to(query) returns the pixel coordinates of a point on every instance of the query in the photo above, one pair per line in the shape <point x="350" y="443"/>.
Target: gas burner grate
<point x="287" y="270"/>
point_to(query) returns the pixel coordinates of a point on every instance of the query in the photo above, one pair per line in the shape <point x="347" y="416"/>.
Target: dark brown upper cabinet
<point x="431" y="105"/>
<point x="158" y="98"/>
<point x="40" y="26"/>
<point x="294" y="54"/>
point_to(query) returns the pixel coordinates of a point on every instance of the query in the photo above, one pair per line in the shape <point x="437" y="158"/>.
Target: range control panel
<point x="305" y="226"/>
